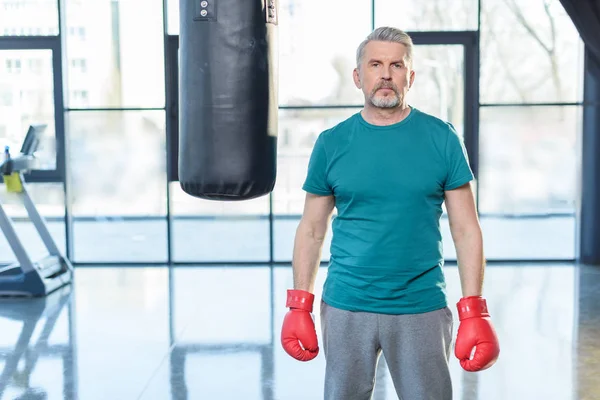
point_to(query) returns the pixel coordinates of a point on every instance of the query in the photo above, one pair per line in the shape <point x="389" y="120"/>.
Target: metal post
<point x="589" y="218"/>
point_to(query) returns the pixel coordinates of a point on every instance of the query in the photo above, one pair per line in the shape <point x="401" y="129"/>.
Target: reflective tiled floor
<point x="213" y="333"/>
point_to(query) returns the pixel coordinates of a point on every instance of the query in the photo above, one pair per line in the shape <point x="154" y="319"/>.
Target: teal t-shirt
<point x="388" y="183"/>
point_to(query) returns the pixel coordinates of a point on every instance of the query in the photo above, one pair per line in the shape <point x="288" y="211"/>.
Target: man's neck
<point x="385" y="116"/>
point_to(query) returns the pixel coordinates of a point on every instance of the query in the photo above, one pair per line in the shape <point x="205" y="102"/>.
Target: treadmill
<point x="28" y="278"/>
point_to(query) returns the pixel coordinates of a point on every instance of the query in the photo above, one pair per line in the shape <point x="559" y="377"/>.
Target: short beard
<point x="385" y="102"/>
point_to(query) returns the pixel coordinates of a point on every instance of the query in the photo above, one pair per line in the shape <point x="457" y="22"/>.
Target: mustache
<point x="386" y="85"/>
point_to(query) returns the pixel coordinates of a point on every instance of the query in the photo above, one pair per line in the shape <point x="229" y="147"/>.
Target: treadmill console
<point x="25" y="161"/>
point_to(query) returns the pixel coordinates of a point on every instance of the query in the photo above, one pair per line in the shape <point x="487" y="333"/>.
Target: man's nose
<point x="386" y="73"/>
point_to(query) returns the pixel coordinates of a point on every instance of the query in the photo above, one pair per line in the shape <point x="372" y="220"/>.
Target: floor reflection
<point x="33" y="352"/>
<point x="213" y="332"/>
<point x="588" y="334"/>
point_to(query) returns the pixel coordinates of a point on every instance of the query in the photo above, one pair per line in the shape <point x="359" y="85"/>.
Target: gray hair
<point x="387" y="34"/>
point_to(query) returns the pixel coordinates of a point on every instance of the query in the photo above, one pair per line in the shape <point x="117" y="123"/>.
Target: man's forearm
<point x="308" y="246"/>
<point x="471" y="263"/>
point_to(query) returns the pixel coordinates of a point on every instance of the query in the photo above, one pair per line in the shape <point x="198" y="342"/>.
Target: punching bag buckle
<point x="271" y="11"/>
<point x="205" y="10"/>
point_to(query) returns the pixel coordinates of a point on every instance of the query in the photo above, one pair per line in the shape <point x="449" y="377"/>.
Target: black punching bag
<point x="228" y="98"/>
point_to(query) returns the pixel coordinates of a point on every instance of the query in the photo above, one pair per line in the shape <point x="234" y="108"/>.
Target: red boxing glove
<point x="298" y="334"/>
<point x="475" y="331"/>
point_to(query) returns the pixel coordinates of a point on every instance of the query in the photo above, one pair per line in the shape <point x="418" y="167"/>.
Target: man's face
<point x="384" y="76"/>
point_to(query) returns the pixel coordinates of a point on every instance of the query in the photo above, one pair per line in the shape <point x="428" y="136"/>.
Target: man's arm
<point x="308" y="243"/>
<point x="468" y="238"/>
<point x="477" y="346"/>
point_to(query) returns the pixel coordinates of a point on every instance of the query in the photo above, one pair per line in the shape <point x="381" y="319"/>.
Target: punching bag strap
<point x="271" y="8"/>
<point x="271" y="11"/>
<point x="205" y="10"/>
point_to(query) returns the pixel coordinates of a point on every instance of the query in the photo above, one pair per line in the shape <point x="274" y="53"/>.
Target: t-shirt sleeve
<point x="316" y="177"/>
<point x="457" y="162"/>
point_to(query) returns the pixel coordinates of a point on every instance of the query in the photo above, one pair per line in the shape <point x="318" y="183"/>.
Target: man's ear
<point x="356" y="76"/>
<point x="412" y="78"/>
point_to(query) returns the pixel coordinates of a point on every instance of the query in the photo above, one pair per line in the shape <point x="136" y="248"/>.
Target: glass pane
<point x="529" y="53"/>
<point x="528" y="161"/>
<point x="521" y="237"/>
<point x="439" y="83"/>
<point x="528" y="166"/>
<point x="298" y="130"/>
<point x="50" y="202"/>
<point x="26" y="98"/>
<point x="28" y="18"/>
<point x="209" y="230"/>
<point x="115" y="58"/>
<point x="118" y="185"/>
<point x="430" y="15"/>
<point x="316" y="64"/>
<point x="543" y="237"/>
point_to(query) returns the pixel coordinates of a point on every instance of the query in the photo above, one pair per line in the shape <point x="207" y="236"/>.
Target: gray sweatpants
<point x="416" y="348"/>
